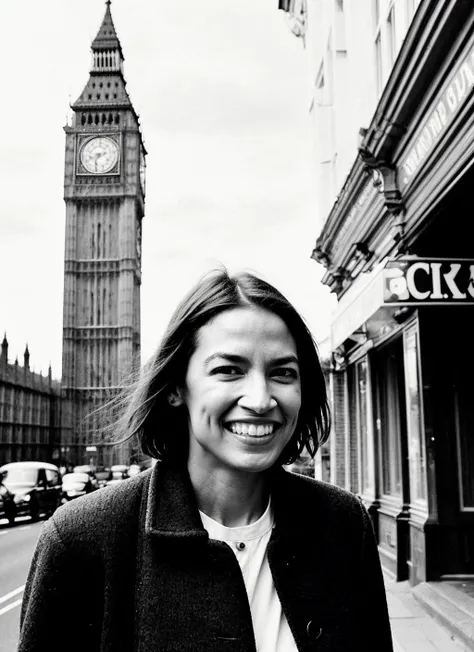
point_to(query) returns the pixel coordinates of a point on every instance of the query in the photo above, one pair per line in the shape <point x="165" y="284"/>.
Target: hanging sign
<point x="433" y="281"/>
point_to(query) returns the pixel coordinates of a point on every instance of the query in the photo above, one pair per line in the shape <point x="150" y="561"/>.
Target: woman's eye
<point x="227" y="370"/>
<point x="288" y="373"/>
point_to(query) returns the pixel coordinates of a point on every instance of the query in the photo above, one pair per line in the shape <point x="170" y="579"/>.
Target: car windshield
<point x="20" y="476"/>
<point x="75" y="477"/>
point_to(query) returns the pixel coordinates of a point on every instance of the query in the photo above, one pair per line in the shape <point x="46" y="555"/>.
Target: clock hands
<point x="96" y="154"/>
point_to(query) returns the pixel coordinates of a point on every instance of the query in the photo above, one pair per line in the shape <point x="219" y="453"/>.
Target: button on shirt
<point x="249" y="544"/>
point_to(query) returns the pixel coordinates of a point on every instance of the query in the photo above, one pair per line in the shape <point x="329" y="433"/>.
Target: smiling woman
<point x="216" y="546"/>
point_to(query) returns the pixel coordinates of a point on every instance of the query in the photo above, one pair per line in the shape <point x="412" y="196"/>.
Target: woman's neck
<point x="232" y="499"/>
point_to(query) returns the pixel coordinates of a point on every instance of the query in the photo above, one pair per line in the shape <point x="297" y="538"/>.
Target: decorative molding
<point x="320" y="255"/>
<point x="336" y="279"/>
<point x="385" y="179"/>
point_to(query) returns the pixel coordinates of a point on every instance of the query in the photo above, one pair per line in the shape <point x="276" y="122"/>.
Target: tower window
<point x="98" y="96"/>
<point x="93" y="84"/>
<point x="83" y="119"/>
<point x="106" y="96"/>
<point x="108" y="84"/>
<point x="90" y="96"/>
<point x="117" y="119"/>
<point x="101" y="85"/>
<point x="115" y="95"/>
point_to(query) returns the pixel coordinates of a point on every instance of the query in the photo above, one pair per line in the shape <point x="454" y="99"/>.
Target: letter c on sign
<point x="411" y="280"/>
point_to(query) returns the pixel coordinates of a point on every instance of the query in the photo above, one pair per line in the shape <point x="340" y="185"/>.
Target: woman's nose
<point x="256" y="395"/>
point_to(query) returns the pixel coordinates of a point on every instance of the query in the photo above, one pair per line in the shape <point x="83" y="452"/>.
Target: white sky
<point x="222" y="90"/>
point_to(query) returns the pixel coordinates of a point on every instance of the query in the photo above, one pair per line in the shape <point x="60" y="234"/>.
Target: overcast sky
<point x="222" y="90"/>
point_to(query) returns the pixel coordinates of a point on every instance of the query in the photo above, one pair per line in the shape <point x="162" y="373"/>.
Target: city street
<point x="17" y="544"/>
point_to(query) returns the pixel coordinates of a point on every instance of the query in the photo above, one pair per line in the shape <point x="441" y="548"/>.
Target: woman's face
<point x="242" y="391"/>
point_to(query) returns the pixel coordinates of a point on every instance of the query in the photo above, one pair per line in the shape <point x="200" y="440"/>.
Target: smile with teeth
<point x="251" y="429"/>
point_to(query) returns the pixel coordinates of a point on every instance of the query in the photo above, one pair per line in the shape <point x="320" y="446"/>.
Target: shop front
<point x="407" y="419"/>
<point x="398" y="253"/>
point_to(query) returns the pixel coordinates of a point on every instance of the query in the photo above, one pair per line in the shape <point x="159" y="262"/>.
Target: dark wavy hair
<point x="162" y="430"/>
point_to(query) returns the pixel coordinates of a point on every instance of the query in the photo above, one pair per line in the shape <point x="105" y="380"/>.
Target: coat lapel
<point x="190" y="595"/>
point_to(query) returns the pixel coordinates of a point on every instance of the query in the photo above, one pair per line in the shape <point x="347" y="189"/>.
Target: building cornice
<point x="439" y="31"/>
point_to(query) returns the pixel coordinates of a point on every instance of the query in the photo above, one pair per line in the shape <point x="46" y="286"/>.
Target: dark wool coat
<point x="130" y="568"/>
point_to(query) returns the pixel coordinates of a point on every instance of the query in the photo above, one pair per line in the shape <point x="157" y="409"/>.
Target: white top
<point x="272" y="633"/>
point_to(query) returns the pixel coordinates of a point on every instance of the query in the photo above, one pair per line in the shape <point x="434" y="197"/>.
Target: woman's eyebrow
<point x="287" y="359"/>
<point x="231" y="357"/>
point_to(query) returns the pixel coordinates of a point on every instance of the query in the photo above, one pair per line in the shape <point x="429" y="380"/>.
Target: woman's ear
<point x="175" y="399"/>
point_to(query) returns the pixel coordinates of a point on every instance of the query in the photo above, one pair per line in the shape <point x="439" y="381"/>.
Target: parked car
<point x="35" y="486"/>
<point x="119" y="473"/>
<point x="7" y="505"/>
<point x="90" y="470"/>
<point x="103" y="475"/>
<point x="134" y="469"/>
<point x="75" y="485"/>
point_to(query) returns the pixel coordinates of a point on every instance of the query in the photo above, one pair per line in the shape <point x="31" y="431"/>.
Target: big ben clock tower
<point x="104" y="191"/>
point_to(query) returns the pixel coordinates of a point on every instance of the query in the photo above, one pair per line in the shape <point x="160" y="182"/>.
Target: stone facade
<point x="30" y="412"/>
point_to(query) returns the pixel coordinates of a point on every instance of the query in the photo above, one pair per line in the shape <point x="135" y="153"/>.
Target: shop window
<point x="364" y="431"/>
<point x="465" y="445"/>
<point x="389" y="421"/>
<point x="353" y="479"/>
<point x="415" y="431"/>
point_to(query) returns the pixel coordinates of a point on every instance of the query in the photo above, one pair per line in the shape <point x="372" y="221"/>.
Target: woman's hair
<point x="162" y="430"/>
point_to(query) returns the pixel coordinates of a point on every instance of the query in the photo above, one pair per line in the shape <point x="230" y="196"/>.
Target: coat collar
<point x="172" y="510"/>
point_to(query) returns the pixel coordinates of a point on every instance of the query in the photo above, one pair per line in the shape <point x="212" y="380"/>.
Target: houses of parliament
<point x="104" y="193"/>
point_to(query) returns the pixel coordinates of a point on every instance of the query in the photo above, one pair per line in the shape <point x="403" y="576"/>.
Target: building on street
<point x="393" y="115"/>
<point x="30" y="411"/>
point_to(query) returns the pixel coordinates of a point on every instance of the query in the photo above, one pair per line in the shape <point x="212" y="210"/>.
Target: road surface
<point x="17" y="544"/>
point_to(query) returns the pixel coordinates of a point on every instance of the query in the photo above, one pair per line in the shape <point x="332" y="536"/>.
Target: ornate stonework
<point x="104" y="195"/>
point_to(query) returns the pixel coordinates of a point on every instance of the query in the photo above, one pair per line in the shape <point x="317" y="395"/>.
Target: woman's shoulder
<point x="308" y="506"/>
<point x="96" y="514"/>
<point x="317" y="492"/>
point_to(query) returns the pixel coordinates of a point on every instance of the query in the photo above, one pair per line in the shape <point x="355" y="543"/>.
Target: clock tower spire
<point x="104" y="192"/>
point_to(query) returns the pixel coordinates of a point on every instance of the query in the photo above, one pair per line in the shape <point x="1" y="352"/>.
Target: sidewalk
<point x="413" y="628"/>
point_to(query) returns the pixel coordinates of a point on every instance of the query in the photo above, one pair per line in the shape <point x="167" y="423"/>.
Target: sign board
<point x="91" y="449"/>
<point x="452" y="95"/>
<point x="428" y="281"/>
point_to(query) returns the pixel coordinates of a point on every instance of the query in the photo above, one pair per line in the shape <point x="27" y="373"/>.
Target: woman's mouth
<point x="251" y="429"/>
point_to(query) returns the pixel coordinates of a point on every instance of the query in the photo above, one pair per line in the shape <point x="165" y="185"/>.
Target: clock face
<point x="99" y="155"/>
